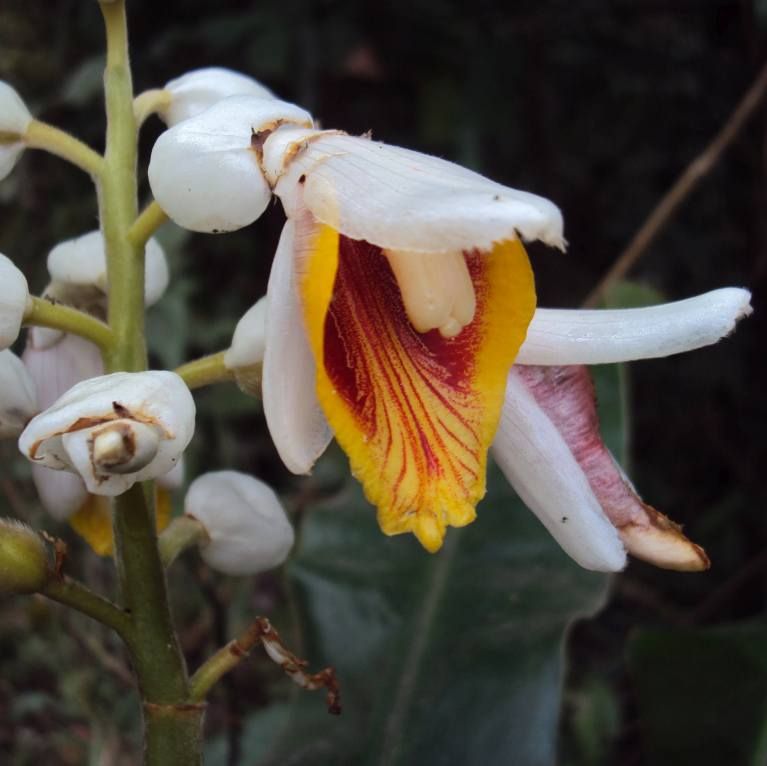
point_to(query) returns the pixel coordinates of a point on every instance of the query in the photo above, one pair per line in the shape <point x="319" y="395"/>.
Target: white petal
<point x="536" y="460"/>
<point x="14" y="293"/>
<point x="203" y="171"/>
<point x="56" y="368"/>
<point x="403" y="200"/>
<point x="249" y="339"/>
<point x="195" y="91"/>
<point x="602" y="336"/>
<point x="174" y="479"/>
<point x="247" y="527"/>
<point x="61" y="494"/>
<point x="61" y="436"/>
<point x="81" y="262"/>
<point x="14" y="118"/>
<point x="296" y="422"/>
<point x="18" y="400"/>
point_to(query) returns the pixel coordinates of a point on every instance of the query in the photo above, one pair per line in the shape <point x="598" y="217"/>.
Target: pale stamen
<point x="436" y="289"/>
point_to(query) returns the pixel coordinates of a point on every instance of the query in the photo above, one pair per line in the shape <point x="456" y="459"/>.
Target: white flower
<point x="399" y="297"/>
<point x="248" y="531"/>
<point x="14" y="121"/>
<point x="78" y="265"/>
<point x="204" y="171"/>
<point x="114" y="430"/>
<point x="14" y="294"/>
<point x="55" y="367"/>
<point x="245" y="355"/>
<point x="18" y="402"/>
<point x="195" y="91"/>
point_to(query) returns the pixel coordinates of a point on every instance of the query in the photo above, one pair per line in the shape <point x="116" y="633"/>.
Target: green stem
<point x="149" y="102"/>
<point x="40" y="135"/>
<point x="181" y="533"/>
<point x="43" y="313"/>
<point x="152" y="217"/>
<point x="172" y="736"/>
<point x="205" y="371"/>
<point x="224" y="660"/>
<point x="77" y="596"/>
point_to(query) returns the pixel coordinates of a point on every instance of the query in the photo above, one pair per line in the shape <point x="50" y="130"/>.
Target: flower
<point x="245" y="355"/>
<point x="14" y="294"/>
<point x="246" y="528"/>
<point x="14" y="121"/>
<point x="204" y="171"/>
<point x="78" y="268"/>
<point x="114" y="430"/>
<point x="409" y="278"/>
<point x="18" y="402"/>
<point x="415" y="292"/>
<point x="199" y="89"/>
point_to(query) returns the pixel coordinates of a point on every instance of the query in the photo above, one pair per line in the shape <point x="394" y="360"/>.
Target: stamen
<point x="436" y="289"/>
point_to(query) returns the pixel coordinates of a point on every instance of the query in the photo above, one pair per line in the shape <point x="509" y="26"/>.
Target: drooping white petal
<point x="81" y="262"/>
<point x="403" y="200"/>
<point x="195" y="91"/>
<point x="174" y="479"/>
<point x="61" y="494"/>
<point x="63" y="436"/>
<point x="540" y="466"/>
<point x="204" y="171"/>
<point x="246" y="525"/>
<point x="296" y="423"/>
<point x="18" y="400"/>
<point x="14" y="120"/>
<point x="14" y="293"/>
<point x="603" y="336"/>
<point x="249" y="338"/>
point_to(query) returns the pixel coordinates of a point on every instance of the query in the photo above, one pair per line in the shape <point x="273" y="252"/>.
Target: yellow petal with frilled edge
<point x="415" y="412"/>
<point x="93" y="522"/>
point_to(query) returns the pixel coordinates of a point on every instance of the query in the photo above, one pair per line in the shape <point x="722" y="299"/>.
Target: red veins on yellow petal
<point x="414" y="412"/>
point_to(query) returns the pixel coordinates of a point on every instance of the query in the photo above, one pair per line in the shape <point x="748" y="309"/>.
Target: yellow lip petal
<point x="415" y="412"/>
<point x="93" y="522"/>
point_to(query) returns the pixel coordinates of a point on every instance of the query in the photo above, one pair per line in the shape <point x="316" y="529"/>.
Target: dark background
<point x="597" y="105"/>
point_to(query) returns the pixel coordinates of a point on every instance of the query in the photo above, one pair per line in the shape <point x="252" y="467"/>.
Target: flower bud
<point x="205" y="171"/>
<point x="195" y="91"/>
<point x="79" y="265"/>
<point x="114" y="430"/>
<point x="14" y="121"/>
<point x="14" y="293"/>
<point x="247" y="527"/>
<point x="246" y="354"/>
<point x="18" y="401"/>
<point x="23" y="558"/>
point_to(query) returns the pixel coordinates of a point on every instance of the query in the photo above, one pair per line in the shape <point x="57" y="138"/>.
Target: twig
<point x="687" y="181"/>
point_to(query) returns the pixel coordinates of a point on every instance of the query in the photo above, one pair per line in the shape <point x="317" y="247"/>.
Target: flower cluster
<point x="400" y="318"/>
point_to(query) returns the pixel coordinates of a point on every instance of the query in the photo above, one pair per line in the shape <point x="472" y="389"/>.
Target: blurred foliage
<point x="598" y="105"/>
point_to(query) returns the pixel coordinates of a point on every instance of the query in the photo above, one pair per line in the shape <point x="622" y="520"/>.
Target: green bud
<point x="23" y="559"/>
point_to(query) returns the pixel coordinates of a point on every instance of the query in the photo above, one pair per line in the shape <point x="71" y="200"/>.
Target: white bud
<point x="205" y="171"/>
<point x="153" y="412"/>
<point x="14" y="121"/>
<point x="174" y="479"/>
<point x="247" y="527"/>
<point x="246" y="354"/>
<point x="18" y="402"/>
<point x="80" y="264"/>
<point x="195" y="91"/>
<point x="14" y="294"/>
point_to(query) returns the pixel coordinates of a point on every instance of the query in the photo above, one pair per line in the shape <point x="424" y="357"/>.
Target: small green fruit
<point x="23" y="558"/>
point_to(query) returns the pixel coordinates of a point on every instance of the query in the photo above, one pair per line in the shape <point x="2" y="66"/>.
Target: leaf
<point x="442" y="659"/>
<point x="702" y="695"/>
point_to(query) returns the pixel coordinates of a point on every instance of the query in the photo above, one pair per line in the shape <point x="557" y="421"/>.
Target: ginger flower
<point x="412" y="294"/>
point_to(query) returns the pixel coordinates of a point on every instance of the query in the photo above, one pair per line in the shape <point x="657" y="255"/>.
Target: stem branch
<point x="205" y="371"/>
<point x="40" y="135"/>
<point x="151" y="218"/>
<point x="43" y="313"/>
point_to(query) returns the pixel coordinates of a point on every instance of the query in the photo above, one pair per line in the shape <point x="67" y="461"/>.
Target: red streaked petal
<point x="566" y="394"/>
<point x="414" y="412"/>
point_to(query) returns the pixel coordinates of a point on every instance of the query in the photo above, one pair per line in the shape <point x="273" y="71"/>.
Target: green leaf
<point x="702" y="695"/>
<point x="442" y="659"/>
